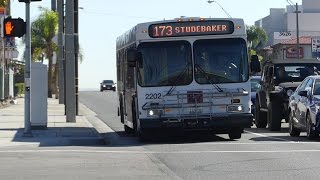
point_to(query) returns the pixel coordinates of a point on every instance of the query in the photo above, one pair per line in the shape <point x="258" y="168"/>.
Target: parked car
<point x="304" y="106"/>
<point x="255" y="86"/>
<point x="107" y="85"/>
<point x="279" y="79"/>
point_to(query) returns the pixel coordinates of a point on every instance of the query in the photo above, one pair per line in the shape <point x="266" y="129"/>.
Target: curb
<point x="109" y="136"/>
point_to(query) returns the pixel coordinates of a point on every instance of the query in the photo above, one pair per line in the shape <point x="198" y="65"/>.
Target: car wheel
<point x="260" y="117"/>
<point x="311" y="134"/>
<point x="274" y="116"/>
<point x="293" y="131"/>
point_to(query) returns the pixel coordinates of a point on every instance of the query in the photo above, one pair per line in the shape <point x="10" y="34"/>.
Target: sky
<point x="102" y="21"/>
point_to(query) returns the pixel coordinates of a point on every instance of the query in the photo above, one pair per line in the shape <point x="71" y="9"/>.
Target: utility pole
<point x="70" y="63"/>
<point x="61" y="62"/>
<point x="297" y="21"/>
<point x="76" y="53"/>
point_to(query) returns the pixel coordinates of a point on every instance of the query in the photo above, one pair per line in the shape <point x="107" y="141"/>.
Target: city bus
<point x="184" y="74"/>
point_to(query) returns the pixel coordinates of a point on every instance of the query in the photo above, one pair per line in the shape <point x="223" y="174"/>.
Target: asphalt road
<point x="259" y="154"/>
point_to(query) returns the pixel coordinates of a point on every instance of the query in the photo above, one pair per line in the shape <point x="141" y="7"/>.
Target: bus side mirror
<point x="255" y="66"/>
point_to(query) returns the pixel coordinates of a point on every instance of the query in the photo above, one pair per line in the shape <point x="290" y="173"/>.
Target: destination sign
<point x="195" y="28"/>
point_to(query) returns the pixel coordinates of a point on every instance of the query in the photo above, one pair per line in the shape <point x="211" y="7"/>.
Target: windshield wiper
<point x="178" y="78"/>
<point x="197" y="66"/>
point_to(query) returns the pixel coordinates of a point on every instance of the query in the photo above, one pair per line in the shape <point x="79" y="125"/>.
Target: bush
<point x="19" y="89"/>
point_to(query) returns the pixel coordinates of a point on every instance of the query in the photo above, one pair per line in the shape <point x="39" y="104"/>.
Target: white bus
<point x="187" y="74"/>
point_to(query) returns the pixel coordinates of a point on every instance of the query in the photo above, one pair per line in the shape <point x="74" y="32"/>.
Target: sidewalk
<point x="58" y="133"/>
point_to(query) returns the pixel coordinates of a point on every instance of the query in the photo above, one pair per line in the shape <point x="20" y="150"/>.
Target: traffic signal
<point x="13" y="27"/>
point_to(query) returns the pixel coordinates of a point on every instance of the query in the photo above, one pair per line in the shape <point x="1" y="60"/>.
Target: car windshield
<point x="165" y="64"/>
<point x="222" y="60"/>
<point x="317" y="87"/>
<point x="294" y="72"/>
<point x="255" y="84"/>
<point x="107" y="81"/>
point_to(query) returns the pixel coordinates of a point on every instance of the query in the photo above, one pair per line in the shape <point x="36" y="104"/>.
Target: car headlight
<point x="289" y="92"/>
<point x="235" y="108"/>
<point x="104" y="85"/>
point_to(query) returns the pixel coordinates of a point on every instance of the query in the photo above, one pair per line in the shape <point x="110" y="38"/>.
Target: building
<point x="287" y="49"/>
<point x="281" y="24"/>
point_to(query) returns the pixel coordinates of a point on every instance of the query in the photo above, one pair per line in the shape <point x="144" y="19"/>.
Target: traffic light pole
<point x="27" y="75"/>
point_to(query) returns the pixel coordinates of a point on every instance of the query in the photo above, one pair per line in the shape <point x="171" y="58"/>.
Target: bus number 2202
<point x="153" y="96"/>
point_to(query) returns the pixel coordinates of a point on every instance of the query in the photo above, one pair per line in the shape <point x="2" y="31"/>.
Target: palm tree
<point x="43" y="29"/>
<point x="256" y="37"/>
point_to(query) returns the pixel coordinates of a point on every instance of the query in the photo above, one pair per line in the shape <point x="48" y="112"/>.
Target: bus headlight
<point x="235" y="108"/>
<point x="154" y="112"/>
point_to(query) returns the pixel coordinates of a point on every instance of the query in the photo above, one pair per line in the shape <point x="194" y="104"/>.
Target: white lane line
<point x="262" y="135"/>
<point x="157" y="152"/>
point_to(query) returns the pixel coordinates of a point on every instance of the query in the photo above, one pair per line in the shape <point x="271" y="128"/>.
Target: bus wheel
<point x="235" y="133"/>
<point x="128" y="130"/>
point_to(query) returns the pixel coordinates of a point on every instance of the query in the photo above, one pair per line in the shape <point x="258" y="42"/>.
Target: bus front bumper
<point x="201" y="122"/>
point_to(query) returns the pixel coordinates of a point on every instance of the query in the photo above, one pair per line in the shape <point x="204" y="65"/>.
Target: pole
<point x="2" y="70"/>
<point x="70" y="63"/>
<point x="297" y="18"/>
<point x="27" y="77"/>
<point x="76" y="53"/>
<point x="60" y="10"/>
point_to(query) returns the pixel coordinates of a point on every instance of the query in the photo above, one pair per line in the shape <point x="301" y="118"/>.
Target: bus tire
<point x="274" y="116"/>
<point x="235" y="133"/>
<point x="121" y="110"/>
<point x="260" y="117"/>
<point x="128" y="129"/>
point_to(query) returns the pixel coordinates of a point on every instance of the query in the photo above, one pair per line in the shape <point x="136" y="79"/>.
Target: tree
<point x="3" y="3"/>
<point x="43" y="29"/>
<point x="256" y="37"/>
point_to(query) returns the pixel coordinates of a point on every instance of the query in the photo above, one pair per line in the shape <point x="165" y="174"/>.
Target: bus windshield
<point x="165" y="64"/>
<point x="222" y="61"/>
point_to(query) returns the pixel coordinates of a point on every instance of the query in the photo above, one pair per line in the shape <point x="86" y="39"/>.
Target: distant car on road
<point x="255" y="86"/>
<point x="107" y="85"/>
<point x="304" y="106"/>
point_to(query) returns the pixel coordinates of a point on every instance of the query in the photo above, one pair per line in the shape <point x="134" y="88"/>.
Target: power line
<point x="113" y="14"/>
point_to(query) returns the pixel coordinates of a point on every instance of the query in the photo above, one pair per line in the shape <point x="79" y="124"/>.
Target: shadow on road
<point x="58" y="136"/>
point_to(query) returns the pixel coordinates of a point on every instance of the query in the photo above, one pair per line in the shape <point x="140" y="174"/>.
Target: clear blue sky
<point x="101" y="21"/>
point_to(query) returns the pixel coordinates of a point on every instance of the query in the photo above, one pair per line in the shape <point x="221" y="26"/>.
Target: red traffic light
<point x="13" y="27"/>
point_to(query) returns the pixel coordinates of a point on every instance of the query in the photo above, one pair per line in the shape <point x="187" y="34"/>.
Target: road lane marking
<point x="262" y="135"/>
